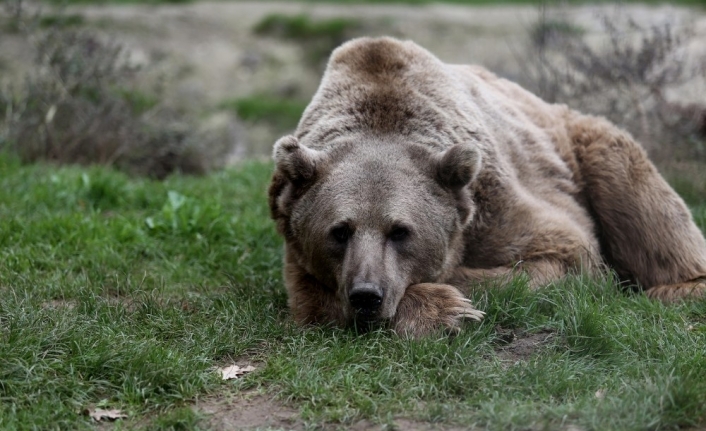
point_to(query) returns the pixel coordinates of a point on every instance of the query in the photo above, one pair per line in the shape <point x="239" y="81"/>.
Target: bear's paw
<point x="427" y="308"/>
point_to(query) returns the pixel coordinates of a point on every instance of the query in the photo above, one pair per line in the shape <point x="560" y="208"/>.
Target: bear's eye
<point x="398" y="233"/>
<point x="341" y="234"/>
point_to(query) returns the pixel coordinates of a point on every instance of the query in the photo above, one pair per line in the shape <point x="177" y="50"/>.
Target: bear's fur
<point x="408" y="179"/>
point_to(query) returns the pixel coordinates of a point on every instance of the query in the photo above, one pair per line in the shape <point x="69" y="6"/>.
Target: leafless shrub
<point x="81" y="105"/>
<point x="625" y="76"/>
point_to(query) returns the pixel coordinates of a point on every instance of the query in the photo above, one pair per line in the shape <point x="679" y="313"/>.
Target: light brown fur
<point x="482" y="178"/>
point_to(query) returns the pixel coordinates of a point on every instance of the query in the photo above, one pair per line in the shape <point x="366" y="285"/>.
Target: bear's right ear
<point x="296" y="167"/>
<point x="298" y="163"/>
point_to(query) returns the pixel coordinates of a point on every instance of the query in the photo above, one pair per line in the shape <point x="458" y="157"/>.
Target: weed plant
<point x="123" y="292"/>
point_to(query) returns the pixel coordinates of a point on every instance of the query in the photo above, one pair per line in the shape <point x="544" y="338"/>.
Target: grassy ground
<point x="126" y="293"/>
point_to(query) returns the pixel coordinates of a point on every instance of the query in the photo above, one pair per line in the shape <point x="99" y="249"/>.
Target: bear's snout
<point x="366" y="299"/>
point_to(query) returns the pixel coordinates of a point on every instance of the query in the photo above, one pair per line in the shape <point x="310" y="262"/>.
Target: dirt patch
<point x="253" y="410"/>
<point x="405" y="424"/>
<point x="521" y="346"/>
<point x="248" y="411"/>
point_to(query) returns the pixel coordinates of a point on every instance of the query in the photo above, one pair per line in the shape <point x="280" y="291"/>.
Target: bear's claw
<point x="472" y="314"/>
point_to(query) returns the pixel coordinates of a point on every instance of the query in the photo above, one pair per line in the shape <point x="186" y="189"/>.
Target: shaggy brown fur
<point x="409" y="179"/>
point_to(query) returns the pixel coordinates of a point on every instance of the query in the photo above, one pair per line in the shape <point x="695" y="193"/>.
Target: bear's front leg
<point x="427" y="307"/>
<point x="540" y="272"/>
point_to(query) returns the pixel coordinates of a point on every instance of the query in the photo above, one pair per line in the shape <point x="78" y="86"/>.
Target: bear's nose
<point x="365" y="298"/>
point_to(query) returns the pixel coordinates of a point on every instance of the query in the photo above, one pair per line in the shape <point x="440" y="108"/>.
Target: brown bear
<point x="408" y="179"/>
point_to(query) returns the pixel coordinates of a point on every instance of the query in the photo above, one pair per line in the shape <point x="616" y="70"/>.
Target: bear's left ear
<point x="457" y="166"/>
<point x="298" y="163"/>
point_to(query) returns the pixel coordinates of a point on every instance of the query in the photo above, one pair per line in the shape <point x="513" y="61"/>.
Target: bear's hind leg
<point x="647" y="232"/>
<point x="675" y="292"/>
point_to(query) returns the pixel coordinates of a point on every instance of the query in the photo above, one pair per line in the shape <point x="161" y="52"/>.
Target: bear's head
<point x="370" y="216"/>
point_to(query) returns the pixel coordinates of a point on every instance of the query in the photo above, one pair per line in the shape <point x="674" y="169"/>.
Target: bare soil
<point x="249" y="410"/>
<point x="522" y="346"/>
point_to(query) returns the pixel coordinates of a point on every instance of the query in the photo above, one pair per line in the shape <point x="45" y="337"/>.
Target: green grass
<point x="61" y="21"/>
<point x="125" y="293"/>
<point x="302" y="27"/>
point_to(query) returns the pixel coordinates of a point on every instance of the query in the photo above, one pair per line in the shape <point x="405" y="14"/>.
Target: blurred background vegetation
<point x="404" y="2"/>
<point x="180" y="86"/>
